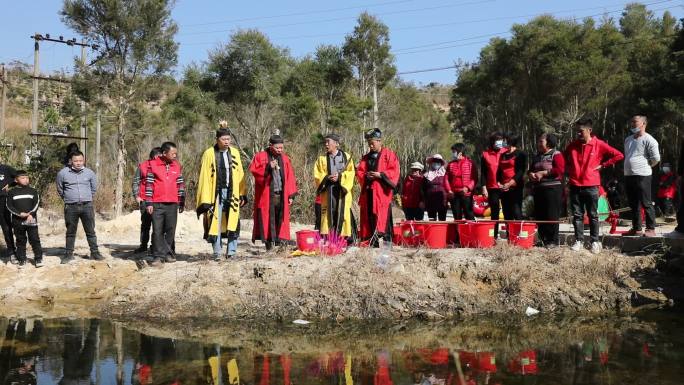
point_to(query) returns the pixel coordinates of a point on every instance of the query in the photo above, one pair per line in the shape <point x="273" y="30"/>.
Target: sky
<point x="424" y="34"/>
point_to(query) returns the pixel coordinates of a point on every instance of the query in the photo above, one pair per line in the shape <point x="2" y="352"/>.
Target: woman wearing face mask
<point x="460" y="183"/>
<point x="412" y="193"/>
<point x="434" y="190"/>
<point x="512" y="168"/>
<point x="546" y="174"/>
<point x="489" y="171"/>
<point x="667" y="189"/>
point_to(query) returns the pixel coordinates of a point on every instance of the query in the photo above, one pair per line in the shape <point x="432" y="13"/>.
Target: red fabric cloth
<point x="382" y="375"/>
<point x="286" y="363"/>
<point x="262" y="196"/>
<point x="581" y="161"/>
<point x="411" y="192"/>
<point x="460" y="174"/>
<point x="507" y="169"/>
<point x="165" y="188"/>
<point x="490" y="159"/>
<point x="667" y="188"/>
<point x="388" y="165"/>
<point x="143" y="175"/>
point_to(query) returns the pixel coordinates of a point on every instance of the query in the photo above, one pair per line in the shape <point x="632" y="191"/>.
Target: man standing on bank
<point x="7" y="174"/>
<point x="221" y="191"/>
<point x="138" y="189"/>
<point x="164" y="199"/>
<point x="585" y="157"/>
<point x="77" y="185"/>
<point x="334" y="177"/>
<point x="378" y="175"/>
<point x="641" y="154"/>
<point x="275" y="188"/>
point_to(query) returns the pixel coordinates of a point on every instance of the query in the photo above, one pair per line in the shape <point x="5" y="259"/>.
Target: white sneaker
<point x="596" y="247"/>
<point x="577" y="246"/>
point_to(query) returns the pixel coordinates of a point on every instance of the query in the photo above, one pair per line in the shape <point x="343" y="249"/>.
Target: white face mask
<point x="455" y="154"/>
<point x="666" y="170"/>
<point x="634" y="130"/>
<point x="435" y="166"/>
<point x="499" y="144"/>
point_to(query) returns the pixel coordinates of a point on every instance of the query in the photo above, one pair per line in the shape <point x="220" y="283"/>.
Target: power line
<point x="422" y="9"/>
<point x="427" y="26"/>
<point x="303" y="13"/>
<point x="632" y="41"/>
<point x="499" y="34"/>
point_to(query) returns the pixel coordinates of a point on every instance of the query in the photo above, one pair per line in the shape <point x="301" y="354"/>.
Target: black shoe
<point x="169" y="259"/>
<point x="156" y="262"/>
<point x="269" y="245"/>
<point x="66" y="259"/>
<point x="21" y="262"/>
<point x="38" y="262"/>
<point x="140" y="249"/>
<point x="96" y="257"/>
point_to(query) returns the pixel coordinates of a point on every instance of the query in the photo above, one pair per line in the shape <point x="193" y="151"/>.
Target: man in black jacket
<point x="22" y="203"/>
<point x="7" y="174"/>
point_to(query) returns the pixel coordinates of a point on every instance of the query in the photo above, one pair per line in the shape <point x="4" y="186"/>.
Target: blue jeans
<point x="232" y="236"/>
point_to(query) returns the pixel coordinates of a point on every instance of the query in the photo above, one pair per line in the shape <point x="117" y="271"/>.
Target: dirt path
<point x="414" y="283"/>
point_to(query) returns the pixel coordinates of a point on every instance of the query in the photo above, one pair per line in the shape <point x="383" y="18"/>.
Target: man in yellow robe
<point x="334" y="176"/>
<point x="221" y="191"/>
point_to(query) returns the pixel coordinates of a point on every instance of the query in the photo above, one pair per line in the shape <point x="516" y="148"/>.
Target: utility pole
<point x="5" y="84"/>
<point x="97" y="144"/>
<point x="84" y="120"/>
<point x="36" y="73"/>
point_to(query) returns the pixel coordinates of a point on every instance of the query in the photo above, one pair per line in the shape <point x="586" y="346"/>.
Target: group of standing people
<point x="503" y="168"/>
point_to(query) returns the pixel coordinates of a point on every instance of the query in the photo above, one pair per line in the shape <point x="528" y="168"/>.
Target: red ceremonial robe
<point x="382" y="189"/>
<point x="261" y="171"/>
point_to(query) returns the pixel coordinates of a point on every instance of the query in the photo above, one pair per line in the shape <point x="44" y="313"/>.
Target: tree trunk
<point x="376" y="118"/>
<point x="120" y="160"/>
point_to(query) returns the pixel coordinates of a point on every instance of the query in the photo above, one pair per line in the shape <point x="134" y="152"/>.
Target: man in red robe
<point x="378" y="175"/>
<point x="274" y="191"/>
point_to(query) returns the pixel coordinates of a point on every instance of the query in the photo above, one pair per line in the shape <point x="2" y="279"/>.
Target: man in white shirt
<point x="641" y="154"/>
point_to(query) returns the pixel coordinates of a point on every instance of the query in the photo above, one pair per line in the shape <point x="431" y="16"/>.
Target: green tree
<point x="136" y="49"/>
<point x="247" y="75"/>
<point x="367" y="48"/>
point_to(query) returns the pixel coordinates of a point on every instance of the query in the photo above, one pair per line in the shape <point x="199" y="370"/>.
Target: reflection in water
<point x="647" y="350"/>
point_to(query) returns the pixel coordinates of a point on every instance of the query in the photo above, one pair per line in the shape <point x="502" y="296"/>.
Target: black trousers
<point x="666" y="206"/>
<point x="164" y="219"/>
<point x="24" y="233"/>
<point x="73" y="212"/>
<point x="317" y="214"/>
<point x="414" y="214"/>
<point x="494" y="207"/>
<point x="511" y="200"/>
<point x="680" y="210"/>
<point x="145" y="226"/>
<point x="639" y="195"/>
<point x="547" y="207"/>
<point x="6" y="225"/>
<point x="437" y="214"/>
<point x="585" y="199"/>
<point x="462" y="206"/>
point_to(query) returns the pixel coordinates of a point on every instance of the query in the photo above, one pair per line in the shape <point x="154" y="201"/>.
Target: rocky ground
<point x="411" y="283"/>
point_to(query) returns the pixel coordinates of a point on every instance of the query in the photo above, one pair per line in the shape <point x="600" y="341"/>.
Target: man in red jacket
<point x="461" y="177"/>
<point x="164" y="199"/>
<point x="275" y="189"/>
<point x="585" y="157"/>
<point x="138" y="189"/>
<point x="378" y="175"/>
<point x="667" y="190"/>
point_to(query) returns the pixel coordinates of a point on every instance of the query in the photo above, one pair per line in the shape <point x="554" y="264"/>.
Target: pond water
<point x="647" y="348"/>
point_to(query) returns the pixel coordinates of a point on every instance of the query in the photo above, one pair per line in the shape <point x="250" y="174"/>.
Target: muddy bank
<point x="413" y="284"/>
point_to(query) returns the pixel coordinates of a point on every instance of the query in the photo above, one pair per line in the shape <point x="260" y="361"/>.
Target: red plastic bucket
<point x="476" y="234"/>
<point x="307" y="240"/>
<point x="412" y="233"/>
<point x="452" y="233"/>
<point x="397" y="237"/>
<point x="435" y="235"/>
<point x="522" y="234"/>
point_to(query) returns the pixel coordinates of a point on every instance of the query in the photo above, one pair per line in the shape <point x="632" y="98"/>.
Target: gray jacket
<point x="76" y="186"/>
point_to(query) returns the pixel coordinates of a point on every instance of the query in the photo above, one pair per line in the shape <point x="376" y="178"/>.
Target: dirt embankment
<point x="357" y="285"/>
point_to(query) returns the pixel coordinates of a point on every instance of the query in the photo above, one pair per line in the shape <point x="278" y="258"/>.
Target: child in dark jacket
<point x="22" y="203"/>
